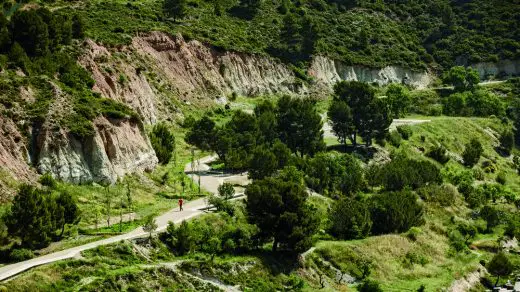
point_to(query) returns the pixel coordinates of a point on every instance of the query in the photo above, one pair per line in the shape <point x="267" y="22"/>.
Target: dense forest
<point x="415" y="34"/>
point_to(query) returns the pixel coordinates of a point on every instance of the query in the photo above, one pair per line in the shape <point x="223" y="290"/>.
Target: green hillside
<point x="410" y="33"/>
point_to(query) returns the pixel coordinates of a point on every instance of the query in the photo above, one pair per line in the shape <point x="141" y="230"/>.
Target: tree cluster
<point x="262" y="141"/>
<point x="36" y="33"/>
<point x="461" y="78"/>
<point x="37" y="216"/>
<point x="278" y="206"/>
<point x="391" y="212"/>
<point x="473" y="103"/>
<point x="355" y="110"/>
<point x="331" y="173"/>
<point x="211" y="234"/>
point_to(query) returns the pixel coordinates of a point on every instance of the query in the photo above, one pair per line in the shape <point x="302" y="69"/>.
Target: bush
<point x="475" y="198"/>
<point x="395" y="212"/>
<point x="222" y="205"/>
<point x="22" y="254"/>
<point x="394" y="138"/>
<point x="405" y="131"/>
<point x="507" y="141"/>
<point x="404" y="172"/>
<point x="370" y="286"/>
<point x="414" y="233"/>
<point x="445" y="195"/>
<point x="48" y="180"/>
<point x="472" y="152"/>
<point x="501" y="178"/>
<point x="439" y="154"/>
<point x="350" y="219"/>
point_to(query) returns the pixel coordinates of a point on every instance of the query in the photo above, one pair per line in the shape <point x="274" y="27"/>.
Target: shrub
<point x="394" y="138"/>
<point x="405" y="131"/>
<point x="472" y="152"/>
<point x="491" y="215"/>
<point x="395" y="212"/>
<point x="226" y="191"/>
<point x="414" y="233"/>
<point x="457" y="240"/>
<point x="507" y="141"/>
<point x="404" y="172"/>
<point x="48" y="180"/>
<point x="370" y="286"/>
<point x="475" y="198"/>
<point x="350" y="219"/>
<point x="445" y="195"/>
<point x="22" y="254"/>
<point x="488" y="166"/>
<point x="222" y="205"/>
<point x="439" y="154"/>
<point x="501" y="178"/>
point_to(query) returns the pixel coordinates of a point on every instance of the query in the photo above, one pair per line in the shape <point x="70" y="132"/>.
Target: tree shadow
<point x="280" y="262"/>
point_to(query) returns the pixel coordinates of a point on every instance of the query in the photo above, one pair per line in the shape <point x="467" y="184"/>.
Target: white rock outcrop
<point x="329" y="72"/>
<point x="117" y="148"/>
<point x="504" y="67"/>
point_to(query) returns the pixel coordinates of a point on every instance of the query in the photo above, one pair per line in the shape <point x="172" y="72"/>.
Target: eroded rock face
<point x="195" y="69"/>
<point x="501" y="68"/>
<point x="13" y="150"/>
<point x="329" y="72"/>
<point x="117" y="148"/>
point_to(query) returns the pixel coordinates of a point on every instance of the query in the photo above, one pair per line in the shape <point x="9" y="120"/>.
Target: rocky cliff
<point x="499" y="69"/>
<point x="117" y="148"/>
<point x="157" y="68"/>
<point x="329" y="72"/>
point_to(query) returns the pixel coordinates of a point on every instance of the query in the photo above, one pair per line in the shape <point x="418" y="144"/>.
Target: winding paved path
<point x="209" y="181"/>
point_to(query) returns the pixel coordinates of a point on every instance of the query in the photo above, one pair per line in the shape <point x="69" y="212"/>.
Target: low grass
<point x="454" y="133"/>
<point x="401" y="264"/>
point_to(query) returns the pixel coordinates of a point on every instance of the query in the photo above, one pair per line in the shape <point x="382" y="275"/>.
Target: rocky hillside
<point x="81" y="90"/>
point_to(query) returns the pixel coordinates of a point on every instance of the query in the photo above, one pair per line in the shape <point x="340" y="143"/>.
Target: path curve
<point x="209" y="181"/>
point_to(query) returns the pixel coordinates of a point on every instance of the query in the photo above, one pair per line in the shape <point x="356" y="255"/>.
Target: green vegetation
<point x="38" y="216"/>
<point x="386" y="33"/>
<point x="163" y="142"/>
<point x="424" y="205"/>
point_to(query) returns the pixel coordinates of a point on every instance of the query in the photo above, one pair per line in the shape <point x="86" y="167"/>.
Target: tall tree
<point x="342" y="121"/>
<point x="499" y="266"/>
<point x="163" y="142"/>
<point x="300" y="125"/>
<point x="263" y="163"/>
<point x="278" y="207"/>
<point x="202" y="134"/>
<point x="358" y="111"/>
<point x="71" y="212"/>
